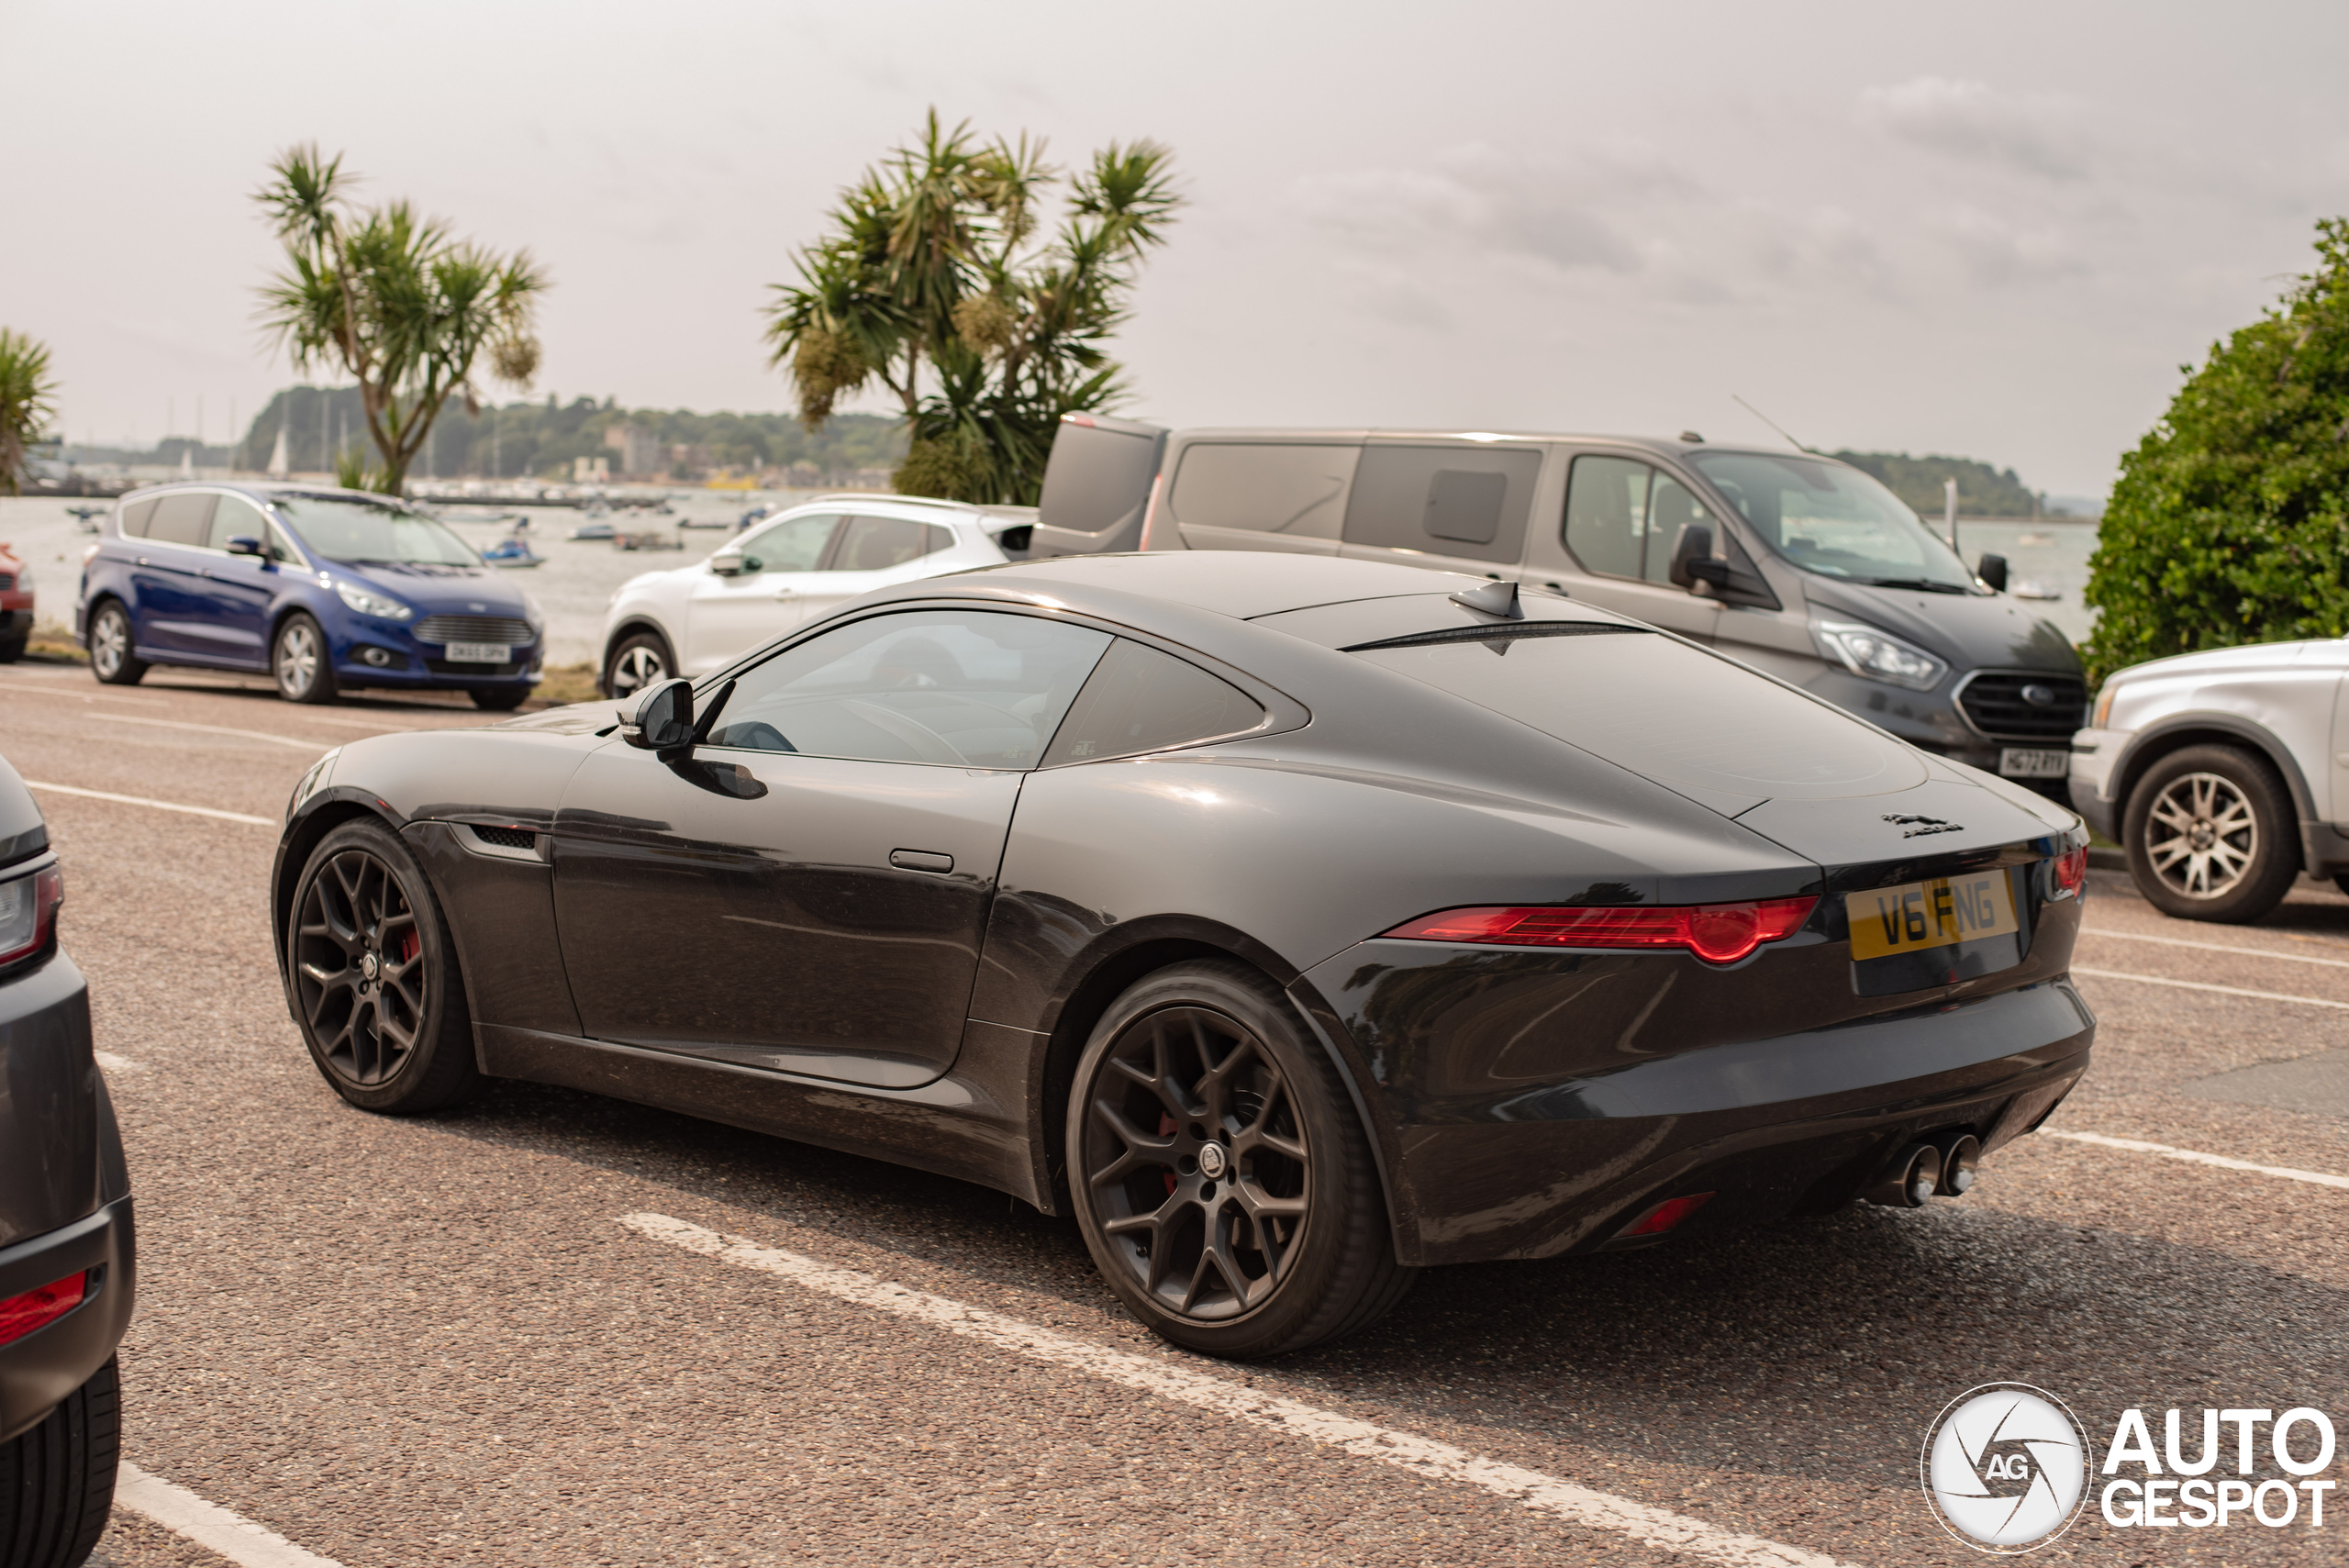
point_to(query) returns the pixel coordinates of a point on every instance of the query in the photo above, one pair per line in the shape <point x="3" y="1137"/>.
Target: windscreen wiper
<point x="1927" y="583"/>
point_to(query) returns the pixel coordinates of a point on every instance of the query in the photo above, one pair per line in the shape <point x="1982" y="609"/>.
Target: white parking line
<point x="2203" y="985"/>
<point x="2215" y="947"/>
<point x="2136" y="1147"/>
<point x="376" y="726"/>
<point x="1647" y="1526"/>
<point x="209" y="1525"/>
<point x="158" y="805"/>
<point x="312" y="747"/>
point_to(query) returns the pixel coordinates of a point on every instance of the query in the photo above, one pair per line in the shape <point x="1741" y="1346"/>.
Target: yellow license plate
<point x="1886" y="922"/>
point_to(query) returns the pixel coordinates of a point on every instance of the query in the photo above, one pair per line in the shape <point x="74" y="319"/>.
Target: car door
<point x="167" y="575"/>
<point x="809" y="891"/>
<point x="237" y="589"/>
<point x="1455" y="507"/>
<point x="869" y="553"/>
<point x="728" y="614"/>
<point x="1614" y="543"/>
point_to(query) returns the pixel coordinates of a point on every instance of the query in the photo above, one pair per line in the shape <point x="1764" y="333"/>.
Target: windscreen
<point x="1834" y="520"/>
<point x="371" y="533"/>
<point x="1667" y="711"/>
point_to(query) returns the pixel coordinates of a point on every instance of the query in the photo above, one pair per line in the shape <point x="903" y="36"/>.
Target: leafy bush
<point x="2229" y="524"/>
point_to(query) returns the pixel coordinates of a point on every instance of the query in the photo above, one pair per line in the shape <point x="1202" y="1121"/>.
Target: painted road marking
<point x="2203" y="985"/>
<point x="158" y="805"/>
<point x="2217" y="947"/>
<point x="209" y="1525"/>
<point x="373" y="726"/>
<point x="312" y="747"/>
<point x="2136" y="1147"/>
<point x="1565" y="1500"/>
<point x="113" y="1063"/>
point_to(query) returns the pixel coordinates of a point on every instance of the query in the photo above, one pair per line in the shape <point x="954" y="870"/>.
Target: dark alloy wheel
<point x="2212" y="835"/>
<point x="373" y="976"/>
<point x="638" y="660"/>
<point x="1220" y="1176"/>
<point x="298" y="656"/>
<point x="500" y="699"/>
<point x="111" y="660"/>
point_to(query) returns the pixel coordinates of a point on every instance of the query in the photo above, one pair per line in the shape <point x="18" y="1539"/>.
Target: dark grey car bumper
<point x="51" y="1362"/>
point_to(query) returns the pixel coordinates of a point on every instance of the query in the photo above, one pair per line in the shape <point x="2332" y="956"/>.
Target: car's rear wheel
<point x="13" y="648"/>
<point x="111" y="660"/>
<point x="637" y="661"/>
<point x="1220" y="1177"/>
<point x="299" y="660"/>
<point x="2211" y="835"/>
<point x="57" y="1479"/>
<point x="499" y="699"/>
<point x="374" y="978"/>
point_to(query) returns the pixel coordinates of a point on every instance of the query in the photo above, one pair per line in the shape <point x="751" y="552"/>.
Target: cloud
<point x="1996" y="254"/>
<point x="1977" y="122"/>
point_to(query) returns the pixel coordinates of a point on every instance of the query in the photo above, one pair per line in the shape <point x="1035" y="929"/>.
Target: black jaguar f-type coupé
<point x="1293" y="922"/>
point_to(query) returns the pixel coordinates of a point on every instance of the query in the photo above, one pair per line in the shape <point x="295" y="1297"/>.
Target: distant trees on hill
<point x="1982" y="491"/>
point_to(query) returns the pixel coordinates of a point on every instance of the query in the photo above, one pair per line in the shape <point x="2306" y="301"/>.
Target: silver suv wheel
<point x="2202" y="836"/>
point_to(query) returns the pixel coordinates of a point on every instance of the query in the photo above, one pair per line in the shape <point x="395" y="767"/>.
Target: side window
<point x="875" y="544"/>
<point x="135" y="516"/>
<point x="1443" y="500"/>
<point x="281" y="545"/>
<point x="1670" y="508"/>
<point x="1607" y="515"/>
<point x="1264" y="487"/>
<point x="957" y="689"/>
<point x="1142" y="700"/>
<point x="234" y="515"/>
<point x="183" y="517"/>
<point x="796" y="544"/>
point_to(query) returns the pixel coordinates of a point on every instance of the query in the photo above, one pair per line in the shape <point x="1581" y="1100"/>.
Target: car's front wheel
<point x="499" y="699"/>
<point x="376" y="984"/>
<point x="111" y="659"/>
<point x="299" y="660"/>
<point x="637" y="661"/>
<point x="57" y="1479"/>
<point x="2211" y="835"/>
<point x="1220" y="1177"/>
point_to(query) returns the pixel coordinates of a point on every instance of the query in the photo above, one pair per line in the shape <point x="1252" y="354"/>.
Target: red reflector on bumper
<point x="1718" y="933"/>
<point x="20" y="1314"/>
<point x="1664" y="1215"/>
<point x="2072" y="870"/>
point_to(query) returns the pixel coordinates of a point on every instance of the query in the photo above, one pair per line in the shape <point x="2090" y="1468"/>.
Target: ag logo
<point x="2005" y="1467"/>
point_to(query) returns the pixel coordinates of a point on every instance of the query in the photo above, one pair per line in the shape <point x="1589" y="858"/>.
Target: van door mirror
<point x="1692" y="560"/>
<point x="663" y="718"/>
<point x="1992" y="570"/>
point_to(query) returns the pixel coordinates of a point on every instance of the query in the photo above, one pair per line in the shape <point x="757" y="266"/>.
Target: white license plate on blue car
<point x="479" y="653"/>
<point x="2016" y="762"/>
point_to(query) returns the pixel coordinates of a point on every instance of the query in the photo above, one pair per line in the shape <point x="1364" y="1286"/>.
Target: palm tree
<point x="28" y="402"/>
<point x="394" y="302"/>
<point x="932" y="284"/>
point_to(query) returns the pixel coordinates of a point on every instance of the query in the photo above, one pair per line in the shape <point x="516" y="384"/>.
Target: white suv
<point x="2224" y="774"/>
<point x="792" y="568"/>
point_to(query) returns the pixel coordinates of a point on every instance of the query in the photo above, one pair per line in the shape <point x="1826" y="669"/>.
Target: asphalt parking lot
<point x="447" y="1340"/>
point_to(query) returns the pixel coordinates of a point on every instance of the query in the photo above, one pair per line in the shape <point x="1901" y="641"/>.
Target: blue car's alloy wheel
<point x="298" y="659"/>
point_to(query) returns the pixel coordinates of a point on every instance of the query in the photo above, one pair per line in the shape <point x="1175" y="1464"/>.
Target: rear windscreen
<point x="1667" y="711"/>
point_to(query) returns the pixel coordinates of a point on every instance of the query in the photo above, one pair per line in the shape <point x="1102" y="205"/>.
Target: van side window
<point x="1264" y="487"/>
<point x="1138" y="700"/>
<point x="181" y="517"/>
<point x="1623" y="518"/>
<point x="1443" y="500"/>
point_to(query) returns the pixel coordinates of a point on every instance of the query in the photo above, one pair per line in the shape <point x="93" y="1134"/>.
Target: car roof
<point x="1242" y="583"/>
<point x="264" y="489"/>
<point x="1661" y="445"/>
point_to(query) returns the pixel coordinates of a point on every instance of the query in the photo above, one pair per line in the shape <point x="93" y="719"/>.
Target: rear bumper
<point x="51" y="1362"/>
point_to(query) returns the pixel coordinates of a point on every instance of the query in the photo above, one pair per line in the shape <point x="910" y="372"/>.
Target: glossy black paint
<point x="769" y="961"/>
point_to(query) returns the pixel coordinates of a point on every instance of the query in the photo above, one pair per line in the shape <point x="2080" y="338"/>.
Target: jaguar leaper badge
<point x="1918" y="826"/>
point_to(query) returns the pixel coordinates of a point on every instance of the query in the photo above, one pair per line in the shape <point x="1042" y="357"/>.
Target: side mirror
<point x="1692" y="560"/>
<point x="244" y="544"/>
<point x="1992" y="570"/>
<point x="663" y="719"/>
<point x="727" y="561"/>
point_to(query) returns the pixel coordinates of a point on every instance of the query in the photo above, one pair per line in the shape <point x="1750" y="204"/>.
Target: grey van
<point x="1801" y="566"/>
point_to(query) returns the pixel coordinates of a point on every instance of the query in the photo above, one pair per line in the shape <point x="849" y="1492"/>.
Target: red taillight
<point x="1718" y="933"/>
<point x="2072" y="873"/>
<point x="20" y="1314"/>
<point x="28" y="912"/>
<point x="1664" y="1215"/>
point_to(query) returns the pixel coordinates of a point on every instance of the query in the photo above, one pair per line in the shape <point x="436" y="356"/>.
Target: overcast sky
<point x="1992" y="230"/>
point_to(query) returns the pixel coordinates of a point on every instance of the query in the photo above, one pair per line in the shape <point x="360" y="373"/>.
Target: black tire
<point x="57" y="1481"/>
<point x="12" y="651"/>
<point x="638" y="660"/>
<point x="500" y="699"/>
<point x="2211" y="835"/>
<point x="1277" y="1239"/>
<point x="391" y="1035"/>
<point x="111" y="659"/>
<point x="301" y="663"/>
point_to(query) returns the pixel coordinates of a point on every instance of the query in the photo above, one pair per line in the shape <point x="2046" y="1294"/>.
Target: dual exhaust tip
<point x="1943" y="1168"/>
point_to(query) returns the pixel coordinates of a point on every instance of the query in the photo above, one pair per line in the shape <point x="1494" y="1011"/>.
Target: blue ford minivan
<point x="324" y="590"/>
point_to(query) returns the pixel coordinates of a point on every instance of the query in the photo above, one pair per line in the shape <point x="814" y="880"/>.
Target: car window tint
<point x="1264" y="487"/>
<point x="1607" y="515"/>
<point x="959" y="688"/>
<point x="794" y="544"/>
<point x="875" y="544"/>
<point x="184" y="518"/>
<point x="1142" y="700"/>
<point x="1443" y="500"/>
<point x="1670" y="712"/>
<point x="135" y="516"/>
<point x="233" y="516"/>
